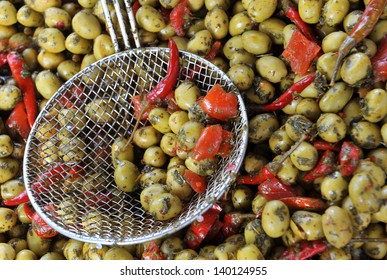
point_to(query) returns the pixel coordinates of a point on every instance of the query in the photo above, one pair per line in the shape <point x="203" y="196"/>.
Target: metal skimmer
<point x="72" y="207"/>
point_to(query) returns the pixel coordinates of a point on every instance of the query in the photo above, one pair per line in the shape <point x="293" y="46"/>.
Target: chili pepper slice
<point x="135" y="6"/>
<point x="214" y="50"/>
<point x="325" y="166"/>
<point x="379" y="61"/>
<point x="3" y="59"/>
<point x="226" y="145"/>
<point x="23" y="78"/>
<point x="208" y="143"/>
<point x="41" y="228"/>
<point x="27" y="210"/>
<point x="166" y="85"/>
<point x="304" y="250"/>
<point x="322" y="145"/>
<point x="153" y="252"/>
<point x="300" y="52"/>
<point x="264" y="174"/>
<point x="287" y="97"/>
<point x="273" y="188"/>
<point x="180" y="17"/>
<point x="219" y="104"/>
<point x="17" y="120"/>
<point x="17" y="199"/>
<point x="198" y="183"/>
<point x="304" y="203"/>
<point x="349" y="158"/>
<point x="199" y="230"/>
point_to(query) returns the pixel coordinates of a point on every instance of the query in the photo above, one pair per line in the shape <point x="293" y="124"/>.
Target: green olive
<point x="188" y="134"/>
<point x="374" y="105"/>
<point x="256" y="42"/>
<point x="168" y="144"/>
<point x="331" y="127"/>
<point x="52" y="40"/>
<point x="122" y="150"/>
<point x="67" y="69"/>
<point x="249" y="252"/>
<point x="307" y="225"/>
<point x="150" y="19"/>
<point x="165" y="206"/>
<point x="239" y="23"/>
<point x="262" y="126"/>
<point x="242" y="76"/>
<point x="47" y="83"/>
<point x="78" y="45"/>
<point x="241" y="197"/>
<point x="260" y="10"/>
<point x="336" y="98"/>
<point x="8" y="219"/>
<point x="57" y="17"/>
<point x="366" y="134"/>
<point x="334" y="187"/>
<point x="217" y="22"/>
<point x="333" y="253"/>
<point x="171" y="246"/>
<point x="186" y="94"/>
<point x="310" y="11"/>
<point x="305" y="156"/>
<point x="101" y="110"/>
<point x="37" y="244"/>
<point x="154" y="156"/>
<point x="271" y="68"/>
<point x="275" y="218"/>
<point x="309" y="108"/>
<point x="86" y="25"/>
<point x="334" y="11"/>
<point x="375" y="250"/>
<point x="126" y="175"/>
<point x="153" y="176"/>
<point x="177" y="185"/>
<point x="360" y="220"/>
<point x="356" y="68"/>
<point x="337" y="226"/>
<point x="117" y="253"/>
<point x="29" y="17"/>
<point x="73" y="249"/>
<point x="26" y="254"/>
<point x="333" y="41"/>
<point x="186" y="254"/>
<point x="149" y="193"/>
<point x="146" y="136"/>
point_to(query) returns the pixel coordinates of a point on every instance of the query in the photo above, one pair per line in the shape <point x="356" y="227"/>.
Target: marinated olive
<point x="337" y="226"/>
<point x="165" y="206"/>
<point x="305" y="156"/>
<point x="307" y="225"/>
<point x="126" y="175"/>
<point x="374" y="105"/>
<point x="262" y="126"/>
<point x="275" y="218"/>
<point x="331" y="127"/>
<point x="366" y="134"/>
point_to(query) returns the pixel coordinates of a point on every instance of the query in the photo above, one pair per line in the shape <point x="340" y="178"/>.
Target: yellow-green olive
<point x="165" y="206"/>
<point x="26" y="254"/>
<point x="307" y="225"/>
<point x="8" y="219"/>
<point x="331" y="127"/>
<point x="378" y="31"/>
<point x="310" y="10"/>
<point x="146" y="136"/>
<point x="171" y="246"/>
<point x="296" y="126"/>
<point x="333" y="41"/>
<point x="68" y="68"/>
<point x="287" y="33"/>
<point x="30" y="56"/>
<point x="154" y="156"/>
<point x="77" y="44"/>
<point x="271" y="68"/>
<point x="101" y="110"/>
<point x="309" y="108"/>
<point x="374" y="105"/>
<point x="287" y="172"/>
<point x="73" y="249"/>
<point x="334" y="11"/>
<point x="305" y="156"/>
<point x="262" y="92"/>
<point x="275" y="218"/>
<point x="256" y="42"/>
<point x="207" y="252"/>
<point x="351" y="19"/>
<point x="117" y="253"/>
<point x="326" y="63"/>
<point x="47" y="83"/>
<point x="378" y="175"/>
<point x="86" y="25"/>
<point x="92" y="251"/>
<point x="7" y="13"/>
<point x="239" y="23"/>
<point x="186" y="94"/>
<point x="122" y="150"/>
<point x="262" y="126"/>
<point x="186" y="254"/>
<point x="49" y="60"/>
<point x="249" y="252"/>
<point x="360" y="220"/>
<point x="9" y="167"/>
<point x="242" y="76"/>
<point x="217" y="22"/>
<point x="241" y="197"/>
<point x="103" y="46"/>
<point x="57" y="17"/>
<point x="333" y="253"/>
<point x="334" y="187"/>
<point x="7" y="31"/>
<point x="211" y="4"/>
<point x="7" y="252"/>
<point x="375" y="250"/>
<point x="257" y="204"/>
<point x="41" y="6"/>
<point x="336" y="97"/>
<point x="52" y="39"/>
<point x="253" y="163"/>
<point x="356" y="68"/>
<point x="274" y="28"/>
<point x="150" y="19"/>
<point x="177" y="185"/>
<point x="126" y="175"/>
<point x="232" y="45"/>
<point x="204" y="167"/>
<point x="153" y="176"/>
<point x="259" y="10"/>
<point x="200" y="43"/>
<point x="70" y="118"/>
<point x="168" y="144"/>
<point x="366" y="134"/>
<point x="29" y="17"/>
<point x="177" y="119"/>
<point x="337" y="226"/>
<point x="188" y="134"/>
<point x="10" y="95"/>
<point x="72" y="149"/>
<point x="37" y="244"/>
<point x="159" y="119"/>
<point x="352" y="111"/>
<point x="149" y="193"/>
<point x="280" y="142"/>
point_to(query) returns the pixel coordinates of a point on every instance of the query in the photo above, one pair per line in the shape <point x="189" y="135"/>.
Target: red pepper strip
<point x="219" y="104"/>
<point x="304" y="203"/>
<point x="199" y="230"/>
<point x="23" y="78"/>
<point x="208" y="143"/>
<point x="349" y="158"/>
<point x="135" y="6"/>
<point x="291" y="13"/>
<point x="360" y="31"/>
<point x="3" y="59"/>
<point x="27" y="210"/>
<point x="198" y="183"/>
<point x="273" y="188"/>
<point x="99" y="199"/>
<point x="180" y="17"/>
<point x="17" y="199"/>
<point x="300" y="52"/>
<point x="17" y="120"/>
<point x="153" y="252"/>
<point x="165" y="86"/>
<point x="287" y="97"/>
<point x="214" y="50"/>
<point x="226" y="145"/>
<point x="215" y="232"/>
<point x="232" y="223"/>
<point x="304" y="250"/>
<point x="41" y="228"/>
<point x="138" y="105"/>
<point x="379" y="61"/>
<point x="322" y="145"/>
<point x="325" y="166"/>
<point x="264" y="174"/>
<point x="170" y="103"/>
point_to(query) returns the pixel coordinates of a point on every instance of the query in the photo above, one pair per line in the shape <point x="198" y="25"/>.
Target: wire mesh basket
<point x="69" y="204"/>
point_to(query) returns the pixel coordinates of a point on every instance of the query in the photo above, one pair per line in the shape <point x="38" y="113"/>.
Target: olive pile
<point x="58" y="39"/>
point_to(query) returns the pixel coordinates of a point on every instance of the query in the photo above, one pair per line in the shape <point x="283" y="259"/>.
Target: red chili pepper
<point x="214" y="233"/>
<point x="264" y="174"/>
<point x="208" y="143"/>
<point x="135" y="6"/>
<point x="349" y="158"/>
<point x="40" y="227"/>
<point x="3" y="59"/>
<point x="180" y="17"/>
<point x="17" y="199"/>
<point x="291" y="12"/>
<point x="214" y="50"/>
<point x="379" y="61"/>
<point x="220" y="104"/>
<point x="72" y="97"/>
<point x="17" y="120"/>
<point x="304" y="250"/>
<point x="165" y="86"/>
<point x="287" y="97"/>
<point x="97" y="199"/>
<point x="360" y="31"/>
<point x="226" y="145"/>
<point x="27" y="210"/>
<point x="199" y="230"/>
<point x="233" y="221"/>
<point x="23" y="78"/>
<point x="138" y="108"/>
<point x="304" y="203"/>
<point x="153" y="252"/>
<point x="322" y="145"/>
<point x="300" y="52"/>
<point x="325" y="166"/>
<point x="273" y="188"/>
<point x="170" y="103"/>
<point x="198" y="183"/>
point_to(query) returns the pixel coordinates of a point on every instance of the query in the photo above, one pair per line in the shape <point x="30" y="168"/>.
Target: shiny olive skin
<point x="307" y="225"/>
<point x="262" y="126"/>
<point x="360" y="220"/>
<point x="337" y="226"/>
<point x="305" y="156"/>
<point x="275" y="218"/>
<point x="331" y="127"/>
<point x="366" y="134"/>
<point x="125" y="176"/>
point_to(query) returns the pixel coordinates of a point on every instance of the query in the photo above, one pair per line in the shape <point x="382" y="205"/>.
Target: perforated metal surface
<point x="118" y="216"/>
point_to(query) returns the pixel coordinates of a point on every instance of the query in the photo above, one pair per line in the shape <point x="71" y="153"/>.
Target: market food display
<point x="313" y="78"/>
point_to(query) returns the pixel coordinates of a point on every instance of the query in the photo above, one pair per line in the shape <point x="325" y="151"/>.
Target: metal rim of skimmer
<point x="113" y="80"/>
